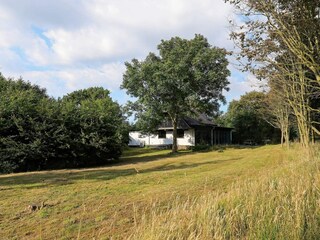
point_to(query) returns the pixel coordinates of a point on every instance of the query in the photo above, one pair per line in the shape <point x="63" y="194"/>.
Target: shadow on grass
<point x="246" y="146"/>
<point x="160" y="154"/>
<point x="134" y="151"/>
<point x="132" y="156"/>
<point x="183" y="166"/>
<point x="238" y="146"/>
<point x="65" y="177"/>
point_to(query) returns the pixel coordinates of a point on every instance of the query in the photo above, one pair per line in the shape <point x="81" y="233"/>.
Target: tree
<point x="26" y="129"/>
<point x="277" y="114"/>
<point x="187" y="76"/>
<point x="38" y="132"/>
<point x="247" y="118"/>
<point x="271" y="27"/>
<point x="279" y="40"/>
<point x="94" y="125"/>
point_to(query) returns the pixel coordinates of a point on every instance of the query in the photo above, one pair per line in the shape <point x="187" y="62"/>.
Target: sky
<point x="66" y="45"/>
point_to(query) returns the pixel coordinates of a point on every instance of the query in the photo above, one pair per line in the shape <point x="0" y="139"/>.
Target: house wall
<point x="135" y="140"/>
<point x="138" y="139"/>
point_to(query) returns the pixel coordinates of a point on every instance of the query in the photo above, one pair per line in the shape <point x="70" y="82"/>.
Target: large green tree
<point x="187" y="76"/>
<point x="26" y="127"/>
<point x="247" y="117"/>
<point x="94" y="125"/>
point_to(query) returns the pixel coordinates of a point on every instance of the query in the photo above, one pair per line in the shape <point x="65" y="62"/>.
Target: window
<point x="180" y="133"/>
<point x="162" y="134"/>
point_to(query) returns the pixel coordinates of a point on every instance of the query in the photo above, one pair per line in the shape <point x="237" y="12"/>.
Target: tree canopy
<point x="247" y="117"/>
<point x="187" y="77"/>
<point x="84" y="128"/>
<point x="94" y="124"/>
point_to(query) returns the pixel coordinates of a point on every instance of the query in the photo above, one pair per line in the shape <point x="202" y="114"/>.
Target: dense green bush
<point x="20" y="124"/>
<point x="94" y="124"/>
<point x="37" y="132"/>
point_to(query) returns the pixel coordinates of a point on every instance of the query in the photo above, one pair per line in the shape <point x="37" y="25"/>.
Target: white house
<point x="162" y="138"/>
<point x="190" y="132"/>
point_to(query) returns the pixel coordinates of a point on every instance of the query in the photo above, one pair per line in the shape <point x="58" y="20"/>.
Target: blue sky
<point x="65" y="45"/>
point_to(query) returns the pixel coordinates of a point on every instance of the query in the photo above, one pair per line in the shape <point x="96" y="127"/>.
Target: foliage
<point x="21" y="125"/>
<point x="279" y="42"/>
<point x="94" y="125"/>
<point x="188" y="76"/>
<point x="247" y="117"/>
<point x="278" y="114"/>
<point x="37" y="132"/>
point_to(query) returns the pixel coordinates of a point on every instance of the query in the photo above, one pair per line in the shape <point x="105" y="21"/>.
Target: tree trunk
<point x="282" y="135"/>
<point x="174" y="142"/>
<point x="287" y="136"/>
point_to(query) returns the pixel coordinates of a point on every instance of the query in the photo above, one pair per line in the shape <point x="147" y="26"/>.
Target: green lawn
<point x="105" y="202"/>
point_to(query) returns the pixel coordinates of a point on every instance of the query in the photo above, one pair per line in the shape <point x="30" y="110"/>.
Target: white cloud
<point x="66" y="45"/>
<point x="38" y="52"/>
<point x="108" y="75"/>
<point x="90" y="44"/>
<point x="241" y="83"/>
<point x="9" y="61"/>
<point x="117" y="28"/>
<point x="61" y="82"/>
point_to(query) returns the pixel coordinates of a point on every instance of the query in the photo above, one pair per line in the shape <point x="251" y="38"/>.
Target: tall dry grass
<point x="283" y="203"/>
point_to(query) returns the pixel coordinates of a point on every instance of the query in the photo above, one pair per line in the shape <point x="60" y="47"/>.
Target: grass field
<point x="233" y="193"/>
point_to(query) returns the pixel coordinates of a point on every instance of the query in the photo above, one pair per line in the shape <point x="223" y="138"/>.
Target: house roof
<point x="188" y="122"/>
<point x="201" y="120"/>
<point x="182" y="124"/>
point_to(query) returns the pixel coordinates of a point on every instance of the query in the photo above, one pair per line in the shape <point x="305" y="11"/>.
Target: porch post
<point x="213" y="136"/>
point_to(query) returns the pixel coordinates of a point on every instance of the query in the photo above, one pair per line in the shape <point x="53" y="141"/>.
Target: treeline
<point x="251" y="120"/>
<point x="83" y="128"/>
<point x="282" y="46"/>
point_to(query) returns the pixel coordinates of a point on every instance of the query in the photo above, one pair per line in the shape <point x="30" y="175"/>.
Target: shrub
<point x="84" y="128"/>
<point x="21" y="125"/>
<point x="95" y="127"/>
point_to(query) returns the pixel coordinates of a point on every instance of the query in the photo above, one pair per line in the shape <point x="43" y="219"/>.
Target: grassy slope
<point x="111" y="201"/>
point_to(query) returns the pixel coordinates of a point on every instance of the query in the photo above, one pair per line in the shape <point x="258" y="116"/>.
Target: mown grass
<point x="235" y="193"/>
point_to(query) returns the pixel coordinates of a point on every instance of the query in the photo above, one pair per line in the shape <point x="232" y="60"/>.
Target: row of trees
<point x="251" y="119"/>
<point x="38" y="132"/>
<point x="279" y="41"/>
